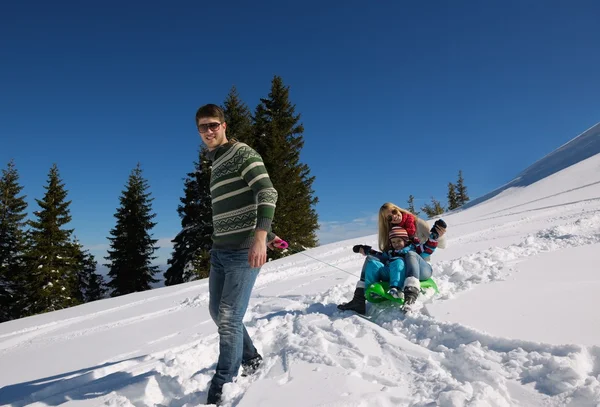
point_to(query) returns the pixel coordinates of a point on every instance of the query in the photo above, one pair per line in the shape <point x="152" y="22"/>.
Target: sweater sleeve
<point x="254" y="172"/>
<point x="426" y="249"/>
<point x="383" y="257"/>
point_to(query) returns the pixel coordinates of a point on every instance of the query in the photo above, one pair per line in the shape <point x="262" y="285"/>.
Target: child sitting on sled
<point x="404" y="261"/>
<point x="389" y="265"/>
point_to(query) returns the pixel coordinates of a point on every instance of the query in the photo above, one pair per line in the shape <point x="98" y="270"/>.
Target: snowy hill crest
<point x="580" y="148"/>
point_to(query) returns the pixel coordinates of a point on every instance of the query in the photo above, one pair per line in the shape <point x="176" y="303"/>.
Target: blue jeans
<point x="417" y="267"/>
<point x="375" y="271"/>
<point x="230" y="284"/>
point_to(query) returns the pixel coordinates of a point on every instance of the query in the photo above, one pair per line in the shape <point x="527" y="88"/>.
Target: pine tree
<point x="132" y="246"/>
<point x="438" y="207"/>
<point x="238" y="118"/>
<point x="12" y="243"/>
<point x="90" y="285"/>
<point x="433" y="209"/>
<point x="199" y="265"/>
<point x="53" y="277"/>
<point x="279" y="141"/>
<point x="411" y="205"/>
<point x="452" y="198"/>
<point x="428" y="209"/>
<point x="96" y="289"/>
<point x="461" y="190"/>
<point x="190" y="258"/>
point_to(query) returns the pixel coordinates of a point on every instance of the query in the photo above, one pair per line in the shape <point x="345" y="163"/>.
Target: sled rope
<point x="324" y="262"/>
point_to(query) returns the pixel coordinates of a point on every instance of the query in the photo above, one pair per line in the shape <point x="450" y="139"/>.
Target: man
<point x="243" y="206"/>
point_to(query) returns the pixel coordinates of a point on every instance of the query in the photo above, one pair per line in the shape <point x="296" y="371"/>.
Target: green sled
<point x="377" y="292"/>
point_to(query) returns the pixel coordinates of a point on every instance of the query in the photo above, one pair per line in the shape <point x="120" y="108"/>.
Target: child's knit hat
<point x="398" y="231"/>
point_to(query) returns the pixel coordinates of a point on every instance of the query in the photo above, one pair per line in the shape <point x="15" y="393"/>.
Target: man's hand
<point x="257" y="254"/>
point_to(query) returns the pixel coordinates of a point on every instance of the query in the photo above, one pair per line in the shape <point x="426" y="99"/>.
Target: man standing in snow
<point x="243" y="206"/>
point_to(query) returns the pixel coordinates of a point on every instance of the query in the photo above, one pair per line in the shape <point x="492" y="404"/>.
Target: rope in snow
<point x="324" y="262"/>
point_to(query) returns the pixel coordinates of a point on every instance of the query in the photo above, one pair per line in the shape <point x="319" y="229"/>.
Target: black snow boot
<point x="250" y="366"/>
<point x="214" y="395"/>
<point x="357" y="303"/>
<point x="410" y="295"/>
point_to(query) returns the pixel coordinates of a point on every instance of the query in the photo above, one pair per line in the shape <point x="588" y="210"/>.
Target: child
<point x="402" y="258"/>
<point x="390" y="265"/>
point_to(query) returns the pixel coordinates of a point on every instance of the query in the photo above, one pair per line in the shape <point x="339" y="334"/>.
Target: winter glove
<point x="366" y="249"/>
<point x="277" y="243"/>
<point x="438" y="226"/>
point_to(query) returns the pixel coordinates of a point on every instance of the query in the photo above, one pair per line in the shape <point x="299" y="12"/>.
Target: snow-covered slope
<point x="515" y="324"/>
<point x="576" y="150"/>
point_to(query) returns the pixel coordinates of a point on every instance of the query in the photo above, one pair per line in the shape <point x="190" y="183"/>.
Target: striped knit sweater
<point x="243" y="197"/>
<point x="424" y="249"/>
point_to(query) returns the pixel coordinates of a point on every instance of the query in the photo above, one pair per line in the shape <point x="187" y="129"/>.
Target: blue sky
<point x="395" y="97"/>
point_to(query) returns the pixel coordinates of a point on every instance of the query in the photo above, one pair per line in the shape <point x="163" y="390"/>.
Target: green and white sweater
<point x="243" y="197"/>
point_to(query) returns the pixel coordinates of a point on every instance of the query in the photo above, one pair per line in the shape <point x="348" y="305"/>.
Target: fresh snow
<point x="515" y="322"/>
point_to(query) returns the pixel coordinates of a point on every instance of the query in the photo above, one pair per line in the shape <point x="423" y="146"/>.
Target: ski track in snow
<point x="27" y="336"/>
<point x="413" y="360"/>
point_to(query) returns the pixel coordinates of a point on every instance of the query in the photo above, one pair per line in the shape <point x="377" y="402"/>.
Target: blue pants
<point x="415" y="266"/>
<point x="376" y="271"/>
<point x="230" y="284"/>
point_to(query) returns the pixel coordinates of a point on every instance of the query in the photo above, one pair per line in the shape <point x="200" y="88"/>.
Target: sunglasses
<point x="395" y="212"/>
<point x="203" y="128"/>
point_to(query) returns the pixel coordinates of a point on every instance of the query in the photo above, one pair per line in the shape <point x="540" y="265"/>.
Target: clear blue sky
<point x="395" y="97"/>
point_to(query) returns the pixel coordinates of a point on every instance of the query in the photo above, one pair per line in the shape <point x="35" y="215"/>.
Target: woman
<point x="416" y="264"/>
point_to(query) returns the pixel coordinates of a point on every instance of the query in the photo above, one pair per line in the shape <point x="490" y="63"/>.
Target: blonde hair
<point x="384" y="226"/>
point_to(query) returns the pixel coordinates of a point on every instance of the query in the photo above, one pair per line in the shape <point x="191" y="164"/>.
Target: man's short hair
<point x="210" y="110"/>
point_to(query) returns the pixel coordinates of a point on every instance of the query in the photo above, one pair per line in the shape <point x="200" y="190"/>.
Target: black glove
<point x="438" y="223"/>
<point x="366" y="249"/>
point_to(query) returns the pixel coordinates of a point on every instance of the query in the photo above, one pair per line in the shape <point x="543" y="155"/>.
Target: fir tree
<point x="12" y="243"/>
<point x="452" y="198"/>
<point x="411" y="205"/>
<point x="52" y="267"/>
<point x="428" y="209"/>
<point x="199" y="265"/>
<point x="438" y="207"/>
<point x="461" y="190"/>
<point x="238" y="118"/>
<point x="190" y="258"/>
<point x="132" y="246"/>
<point x="433" y="209"/>
<point x="279" y="141"/>
<point x="90" y="285"/>
<point x="96" y="289"/>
